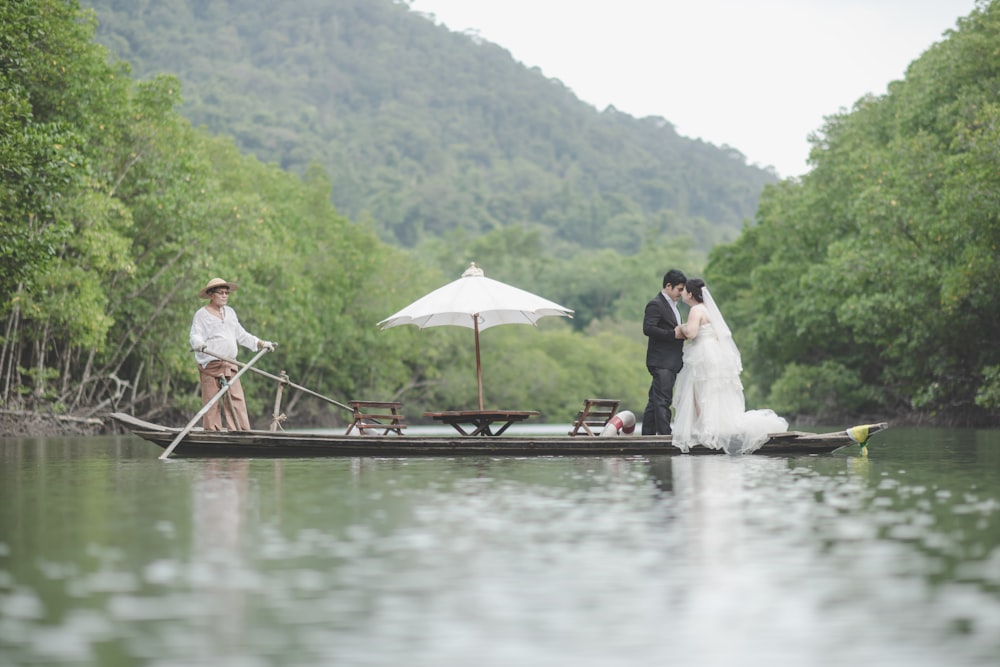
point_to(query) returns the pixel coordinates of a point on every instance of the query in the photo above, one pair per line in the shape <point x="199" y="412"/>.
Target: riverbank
<point x="21" y="423"/>
<point x="30" y="423"/>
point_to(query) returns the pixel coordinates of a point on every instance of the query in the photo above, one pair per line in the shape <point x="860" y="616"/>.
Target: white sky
<point x="757" y="75"/>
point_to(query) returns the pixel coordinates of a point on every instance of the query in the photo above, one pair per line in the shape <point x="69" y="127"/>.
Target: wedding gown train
<point x="709" y="407"/>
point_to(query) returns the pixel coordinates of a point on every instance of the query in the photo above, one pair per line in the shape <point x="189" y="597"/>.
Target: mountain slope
<point x="427" y="132"/>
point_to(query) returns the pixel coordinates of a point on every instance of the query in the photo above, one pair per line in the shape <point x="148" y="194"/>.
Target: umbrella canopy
<point x="476" y="302"/>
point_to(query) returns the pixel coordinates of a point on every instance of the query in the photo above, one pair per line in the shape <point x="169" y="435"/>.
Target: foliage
<point x="116" y="210"/>
<point x="878" y="268"/>
<point x="988" y="395"/>
<point x="429" y="133"/>
<point x="867" y="286"/>
<point x="822" y="392"/>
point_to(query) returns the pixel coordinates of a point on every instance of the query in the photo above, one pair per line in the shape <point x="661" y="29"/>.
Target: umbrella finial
<point x="473" y="270"/>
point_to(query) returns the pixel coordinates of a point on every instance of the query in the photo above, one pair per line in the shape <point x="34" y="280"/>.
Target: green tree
<point x="874" y="270"/>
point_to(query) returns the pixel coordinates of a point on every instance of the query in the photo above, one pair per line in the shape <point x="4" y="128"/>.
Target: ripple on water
<point x="493" y="562"/>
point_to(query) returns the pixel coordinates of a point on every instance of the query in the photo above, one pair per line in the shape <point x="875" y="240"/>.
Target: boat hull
<point x="291" y="444"/>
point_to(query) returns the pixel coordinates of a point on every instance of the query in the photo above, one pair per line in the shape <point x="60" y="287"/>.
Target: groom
<point x="664" y="352"/>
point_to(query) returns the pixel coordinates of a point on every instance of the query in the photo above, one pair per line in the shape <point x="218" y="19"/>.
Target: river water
<point x="111" y="557"/>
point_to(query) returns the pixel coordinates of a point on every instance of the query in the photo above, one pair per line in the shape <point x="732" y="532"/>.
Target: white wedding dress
<point x="709" y="408"/>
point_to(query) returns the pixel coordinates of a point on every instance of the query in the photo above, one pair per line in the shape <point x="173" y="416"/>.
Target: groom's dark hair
<point x="673" y="277"/>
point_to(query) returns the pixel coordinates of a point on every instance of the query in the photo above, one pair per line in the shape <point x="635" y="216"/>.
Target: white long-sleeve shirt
<point x="221" y="336"/>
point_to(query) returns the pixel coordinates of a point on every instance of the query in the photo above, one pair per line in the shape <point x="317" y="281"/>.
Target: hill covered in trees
<point x="867" y="287"/>
<point x="115" y="210"/>
<point x="431" y="134"/>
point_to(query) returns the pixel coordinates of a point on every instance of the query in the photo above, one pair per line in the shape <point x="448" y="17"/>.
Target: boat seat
<point x="595" y="415"/>
<point x="382" y="416"/>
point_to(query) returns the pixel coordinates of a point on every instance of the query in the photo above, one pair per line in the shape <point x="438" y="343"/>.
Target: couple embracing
<point x="695" y="368"/>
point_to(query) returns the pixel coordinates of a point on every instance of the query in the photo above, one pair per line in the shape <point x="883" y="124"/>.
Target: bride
<point x="708" y="403"/>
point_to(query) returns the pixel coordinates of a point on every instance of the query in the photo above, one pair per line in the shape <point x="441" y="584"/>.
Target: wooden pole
<point x="479" y="366"/>
<point x="208" y="406"/>
<point x="276" y="415"/>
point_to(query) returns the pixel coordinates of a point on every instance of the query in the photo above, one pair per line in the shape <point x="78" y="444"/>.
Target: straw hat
<point x="212" y="284"/>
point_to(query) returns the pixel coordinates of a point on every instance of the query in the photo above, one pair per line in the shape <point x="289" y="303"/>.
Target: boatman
<point x="216" y="332"/>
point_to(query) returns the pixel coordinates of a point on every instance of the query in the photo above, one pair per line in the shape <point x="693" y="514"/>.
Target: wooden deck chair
<point x="378" y="416"/>
<point x="594" y="416"/>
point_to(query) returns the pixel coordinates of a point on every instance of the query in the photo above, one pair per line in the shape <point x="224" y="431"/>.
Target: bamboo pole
<point x="208" y="406"/>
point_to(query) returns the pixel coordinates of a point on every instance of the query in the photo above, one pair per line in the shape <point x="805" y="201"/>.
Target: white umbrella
<point x="476" y="302"/>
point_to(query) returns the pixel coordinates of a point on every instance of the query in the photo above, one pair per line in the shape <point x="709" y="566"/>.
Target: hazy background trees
<point x="426" y="132"/>
<point x="339" y="190"/>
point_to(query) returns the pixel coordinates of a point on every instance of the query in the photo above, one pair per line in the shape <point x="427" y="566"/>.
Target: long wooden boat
<point x="298" y="444"/>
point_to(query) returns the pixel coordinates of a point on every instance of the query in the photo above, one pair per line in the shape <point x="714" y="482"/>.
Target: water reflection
<point x="771" y="548"/>
<point x="109" y="556"/>
<point x="221" y="512"/>
<point x="712" y="493"/>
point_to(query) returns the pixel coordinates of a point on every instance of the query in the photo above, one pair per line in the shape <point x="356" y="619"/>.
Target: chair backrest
<point x="386" y="416"/>
<point x="595" y="415"/>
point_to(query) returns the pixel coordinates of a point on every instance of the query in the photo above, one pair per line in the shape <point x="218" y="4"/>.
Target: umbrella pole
<point x="479" y="367"/>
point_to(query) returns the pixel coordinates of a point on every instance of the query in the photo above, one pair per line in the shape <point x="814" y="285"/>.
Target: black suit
<point x="664" y="358"/>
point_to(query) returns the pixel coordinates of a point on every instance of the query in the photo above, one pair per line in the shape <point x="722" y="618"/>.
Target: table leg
<point x="503" y="428"/>
<point x="458" y="427"/>
<point x="482" y="427"/>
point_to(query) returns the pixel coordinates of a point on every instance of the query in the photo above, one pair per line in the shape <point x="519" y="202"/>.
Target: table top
<point x="481" y="414"/>
<point x="481" y="421"/>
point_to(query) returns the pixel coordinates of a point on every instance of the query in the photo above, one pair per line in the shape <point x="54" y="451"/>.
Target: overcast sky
<point x="757" y="75"/>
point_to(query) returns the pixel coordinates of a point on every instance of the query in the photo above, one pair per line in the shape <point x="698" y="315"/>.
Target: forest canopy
<point x="116" y="211"/>
<point x="867" y="287"/>
<point x="428" y="133"/>
<point x="873" y="281"/>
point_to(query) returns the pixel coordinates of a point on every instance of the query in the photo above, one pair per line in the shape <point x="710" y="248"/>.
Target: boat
<point x="197" y="443"/>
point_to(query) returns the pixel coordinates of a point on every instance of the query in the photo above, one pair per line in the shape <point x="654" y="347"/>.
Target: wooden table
<point x="481" y="422"/>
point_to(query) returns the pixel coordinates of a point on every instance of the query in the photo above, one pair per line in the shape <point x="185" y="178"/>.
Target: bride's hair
<point x="693" y="287"/>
